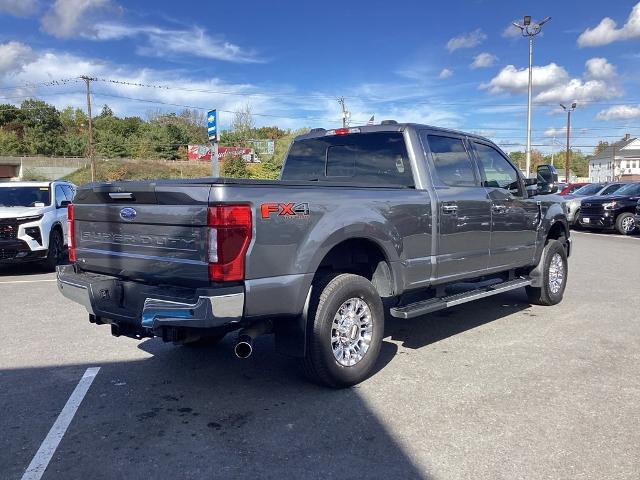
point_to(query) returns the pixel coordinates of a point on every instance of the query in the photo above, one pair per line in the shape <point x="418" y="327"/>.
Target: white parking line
<point x="27" y="281"/>
<point x="606" y="235"/>
<point x="44" y="454"/>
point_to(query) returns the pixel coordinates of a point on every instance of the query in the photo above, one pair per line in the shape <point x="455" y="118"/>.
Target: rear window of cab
<point x="377" y="159"/>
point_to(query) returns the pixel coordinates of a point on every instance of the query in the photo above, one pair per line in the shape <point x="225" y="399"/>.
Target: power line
<point x="194" y="107"/>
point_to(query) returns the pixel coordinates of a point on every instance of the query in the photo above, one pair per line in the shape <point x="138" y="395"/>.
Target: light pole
<point x="530" y="30"/>
<point x="566" y="159"/>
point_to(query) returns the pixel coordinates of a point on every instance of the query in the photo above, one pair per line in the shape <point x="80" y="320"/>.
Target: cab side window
<point x="60" y="196"/>
<point x="68" y="192"/>
<point x="496" y="170"/>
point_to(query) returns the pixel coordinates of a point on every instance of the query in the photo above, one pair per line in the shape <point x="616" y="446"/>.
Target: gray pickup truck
<point x="403" y="219"/>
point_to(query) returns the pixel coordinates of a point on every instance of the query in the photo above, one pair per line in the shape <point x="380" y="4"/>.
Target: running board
<point x="434" y="304"/>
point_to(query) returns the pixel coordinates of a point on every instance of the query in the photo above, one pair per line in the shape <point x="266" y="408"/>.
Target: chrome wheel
<point x="351" y="332"/>
<point x="556" y="273"/>
<point x="628" y="224"/>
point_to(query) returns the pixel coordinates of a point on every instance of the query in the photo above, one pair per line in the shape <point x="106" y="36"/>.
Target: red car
<point x="572" y="187"/>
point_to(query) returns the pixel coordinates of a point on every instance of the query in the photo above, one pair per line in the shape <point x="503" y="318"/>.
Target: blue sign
<point x="212" y="126"/>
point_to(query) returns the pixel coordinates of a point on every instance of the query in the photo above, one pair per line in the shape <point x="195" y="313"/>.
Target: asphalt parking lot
<point x="492" y="389"/>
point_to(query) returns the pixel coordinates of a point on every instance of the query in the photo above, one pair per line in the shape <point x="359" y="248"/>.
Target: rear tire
<point x="54" y="254"/>
<point x="625" y="223"/>
<point x="554" y="272"/>
<point x="345" y="330"/>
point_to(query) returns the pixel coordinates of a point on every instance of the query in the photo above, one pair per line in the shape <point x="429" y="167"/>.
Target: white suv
<point x="33" y="221"/>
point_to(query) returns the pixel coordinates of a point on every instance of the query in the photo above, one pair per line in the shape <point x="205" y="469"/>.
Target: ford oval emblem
<point x="128" y="213"/>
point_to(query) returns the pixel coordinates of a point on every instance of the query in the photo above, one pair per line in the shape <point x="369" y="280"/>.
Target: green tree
<point x="40" y="115"/>
<point x="602" y="145"/>
<point x="234" y="167"/>
<point x="10" y="144"/>
<point x="8" y="114"/>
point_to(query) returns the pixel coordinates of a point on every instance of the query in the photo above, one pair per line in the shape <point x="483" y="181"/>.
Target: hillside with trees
<point x="38" y="128"/>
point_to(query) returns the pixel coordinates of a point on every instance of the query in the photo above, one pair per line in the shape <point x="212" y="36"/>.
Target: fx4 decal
<point x="287" y="210"/>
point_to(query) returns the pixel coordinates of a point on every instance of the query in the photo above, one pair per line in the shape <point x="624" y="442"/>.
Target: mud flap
<point x="291" y="333"/>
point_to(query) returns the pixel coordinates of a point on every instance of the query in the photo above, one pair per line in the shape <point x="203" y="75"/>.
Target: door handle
<point x="449" y="208"/>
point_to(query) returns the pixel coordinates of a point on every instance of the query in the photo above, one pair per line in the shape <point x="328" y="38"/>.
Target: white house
<point x="618" y="162"/>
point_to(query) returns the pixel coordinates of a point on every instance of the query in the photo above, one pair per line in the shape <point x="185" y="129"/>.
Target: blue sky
<point x="459" y="65"/>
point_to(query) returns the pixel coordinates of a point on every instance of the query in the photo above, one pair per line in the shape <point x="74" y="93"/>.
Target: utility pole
<point x="566" y="159"/>
<point x="530" y="30"/>
<point x="345" y="113"/>
<point x="92" y="160"/>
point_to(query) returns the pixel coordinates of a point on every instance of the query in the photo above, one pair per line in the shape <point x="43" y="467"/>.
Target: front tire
<point x="346" y="326"/>
<point x="576" y="221"/>
<point x="54" y="254"/>
<point x="553" y="272"/>
<point x="625" y="223"/>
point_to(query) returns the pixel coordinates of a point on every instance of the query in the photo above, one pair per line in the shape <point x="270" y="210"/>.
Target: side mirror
<point x="64" y="204"/>
<point x="547" y="179"/>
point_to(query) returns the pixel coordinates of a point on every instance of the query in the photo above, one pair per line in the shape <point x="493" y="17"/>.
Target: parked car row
<point x="604" y="206"/>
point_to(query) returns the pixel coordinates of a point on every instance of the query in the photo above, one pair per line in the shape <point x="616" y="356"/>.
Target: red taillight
<point x="71" y="233"/>
<point x="229" y="238"/>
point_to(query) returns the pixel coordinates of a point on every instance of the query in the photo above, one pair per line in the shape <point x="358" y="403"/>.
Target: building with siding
<point x="618" y="162"/>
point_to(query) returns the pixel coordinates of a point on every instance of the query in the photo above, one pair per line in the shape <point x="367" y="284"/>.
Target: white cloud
<point x="73" y="18"/>
<point x="484" y="60"/>
<point x="390" y="100"/>
<point x="599" y="68"/>
<point x="554" y="132"/>
<point x="511" y="31"/>
<point x="552" y="82"/>
<point x="19" y="8"/>
<point x="619" y="112"/>
<point x="163" y="42"/>
<point x="14" y="56"/>
<point x="513" y="80"/>
<point x="467" y="40"/>
<point x="579" y="90"/>
<point x="445" y="73"/>
<point x="607" y="30"/>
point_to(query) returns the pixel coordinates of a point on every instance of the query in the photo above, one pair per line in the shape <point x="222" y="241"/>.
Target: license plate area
<point x="586" y="220"/>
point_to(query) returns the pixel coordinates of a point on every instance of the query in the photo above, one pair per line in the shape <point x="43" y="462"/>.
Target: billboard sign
<point x="246" y="153"/>
<point x="212" y="125"/>
<point x="199" y="152"/>
<point x="264" y="147"/>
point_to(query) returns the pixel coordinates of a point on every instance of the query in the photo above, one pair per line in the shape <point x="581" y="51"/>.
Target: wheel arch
<point x="362" y="256"/>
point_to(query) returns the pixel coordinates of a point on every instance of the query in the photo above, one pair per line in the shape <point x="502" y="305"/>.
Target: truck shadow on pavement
<point x="189" y="412"/>
<point x="422" y="331"/>
<point x="200" y="413"/>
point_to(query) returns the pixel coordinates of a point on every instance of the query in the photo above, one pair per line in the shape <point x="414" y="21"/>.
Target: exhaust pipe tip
<point x="244" y="347"/>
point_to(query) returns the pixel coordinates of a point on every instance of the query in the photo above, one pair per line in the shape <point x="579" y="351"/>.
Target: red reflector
<point x="229" y="238"/>
<point x="71" y="233"/>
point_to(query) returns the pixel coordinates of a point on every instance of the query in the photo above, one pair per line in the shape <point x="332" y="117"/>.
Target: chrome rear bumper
<point x="147" y="308"/>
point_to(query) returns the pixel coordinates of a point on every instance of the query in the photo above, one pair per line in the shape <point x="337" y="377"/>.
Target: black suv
<point x="612" y="212"/>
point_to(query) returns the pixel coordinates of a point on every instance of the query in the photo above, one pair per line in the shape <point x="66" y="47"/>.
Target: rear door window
<point x="451" y="160"/>
<point x="378" y="158"/>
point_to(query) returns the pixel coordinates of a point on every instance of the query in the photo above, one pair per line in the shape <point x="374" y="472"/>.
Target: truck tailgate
<point x="141" y="231"/>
